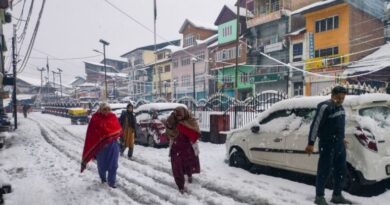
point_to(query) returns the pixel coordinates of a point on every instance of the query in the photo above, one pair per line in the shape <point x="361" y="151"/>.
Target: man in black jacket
<point x="329" y="126"/>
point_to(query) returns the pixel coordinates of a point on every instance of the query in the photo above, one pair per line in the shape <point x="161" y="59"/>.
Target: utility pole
<point x="236" y="70"/>
<point x="14" y="56"/>
<point x="59" y="72"/>
<point x="54" y="83"/>
<point x="48" y="78"/>
<point x="105" y="43"/>
<point x="41" y="70"/>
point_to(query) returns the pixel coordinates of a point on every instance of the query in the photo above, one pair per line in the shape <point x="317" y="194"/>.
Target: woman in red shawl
<point x="183" y="132"/>
<point x="101" y="143"/>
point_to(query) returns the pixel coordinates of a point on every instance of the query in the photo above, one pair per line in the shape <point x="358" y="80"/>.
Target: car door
<point x="267" y="146"/>
<point x="296" y="157"/>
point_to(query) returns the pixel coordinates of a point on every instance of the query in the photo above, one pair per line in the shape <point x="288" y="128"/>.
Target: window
<point x="160" y="56"/>
<point x="274" y="115"/>
<point x="327" y="52"/>
<point x="167" y="68"/>
<point x="175" y="63"/>
<point x="244" y="77"/>
<point x="306" y="113"/>
<point x="200" y="56"/>
<point x="297" y="52"/>
<point x="189" y="40"/>
<point x="327" y="24"/>
<point x="185" y="61"/>
<point x="186" y="80"/>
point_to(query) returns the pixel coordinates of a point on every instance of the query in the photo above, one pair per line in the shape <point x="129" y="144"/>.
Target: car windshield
<point x="380" y="114"/>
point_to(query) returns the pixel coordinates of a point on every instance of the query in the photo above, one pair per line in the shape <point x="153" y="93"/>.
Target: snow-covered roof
<point x="172" y="48"/>
<point x="312" y="6"/>
<point x="207" y="40"/>
<point x="30" y="80"/>
<point x="197" y="24"/>
<point x="378" y="60"/>
<point x="243" y="11"/>
<point x="159" y="106"/>
<point x="296" y="32"/>
<point x="123" y="75"/>
<point x="213" y="44"/>
<point x="99" y="64"/>
<point x="87" y="85"/>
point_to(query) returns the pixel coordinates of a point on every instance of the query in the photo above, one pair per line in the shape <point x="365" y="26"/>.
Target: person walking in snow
<point x="183" y="132"/>
<point x="329" y="126"/>
<point x="26" y="108"/>
<point x="101" y="143"/>
<point x="128" y="123"/>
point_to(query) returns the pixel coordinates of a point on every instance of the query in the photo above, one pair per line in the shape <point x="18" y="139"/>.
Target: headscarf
<point x="188" y="121"/>
<point x="103" y="128"/>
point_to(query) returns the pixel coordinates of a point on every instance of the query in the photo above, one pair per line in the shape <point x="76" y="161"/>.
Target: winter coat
<point x="128" y="123"/>
<point x="328" y="123"/>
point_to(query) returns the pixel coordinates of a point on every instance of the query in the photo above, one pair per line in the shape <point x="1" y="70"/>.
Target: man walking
<point x="329" y="126"/>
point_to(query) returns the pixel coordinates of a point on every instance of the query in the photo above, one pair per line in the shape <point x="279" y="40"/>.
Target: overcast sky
<point x="72" y="29"/>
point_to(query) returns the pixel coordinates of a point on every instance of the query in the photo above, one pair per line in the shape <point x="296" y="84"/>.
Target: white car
<point x="279" y="135"/>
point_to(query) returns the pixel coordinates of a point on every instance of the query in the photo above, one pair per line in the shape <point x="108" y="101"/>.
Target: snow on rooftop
<point x="243" y="11"/>
<point x="172" y="48"/>
<point x="98" y="64"/>
<point x="378" y="60"/>
<point x="211" y="38"/>
<point x="317" y="4"/>
<point x="32" y="81"/>
<point x="204" y="25"/>
<point x="294" y="33"/>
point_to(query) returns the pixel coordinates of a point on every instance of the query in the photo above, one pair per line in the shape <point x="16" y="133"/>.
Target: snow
<point x="172" y="48"/>
<point x="99" y="64"/>
<point x="158" y="106"/>
<point x="243" y="12"/>
<point x="312" y="6"/>
<point x="41" y="160"/>
<point x="299" y="31"/>
<point x="375" y="61"/>
<point x="31" y="81"/>
<point x="211" y="38"/>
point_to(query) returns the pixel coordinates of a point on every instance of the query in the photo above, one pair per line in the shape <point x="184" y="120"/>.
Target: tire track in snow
<point x="216" y="190"/>
<point x="210" y="185"/>
<point x="133" y="192"/>
<point x="212" y="199"/>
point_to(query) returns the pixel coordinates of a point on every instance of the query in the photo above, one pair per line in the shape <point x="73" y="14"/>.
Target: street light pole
<point x="105" y="43"/>
<point x="59" y="72"/>
<point x="193" y="80"/>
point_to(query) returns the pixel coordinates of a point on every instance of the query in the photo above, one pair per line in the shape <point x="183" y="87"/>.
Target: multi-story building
<point x="163" y="86"/>
<point x="267" y="38"/>
<point x="192" y="58"/>
<point x="140" y="69"/>
<point x="223" y="54"/>
<point x="339" y="32"/>
<point x="4" y="18"/>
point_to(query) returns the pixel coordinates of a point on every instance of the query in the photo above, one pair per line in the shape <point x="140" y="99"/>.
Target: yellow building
<point x="338" y="33"/>
<point x="163" y="86"/>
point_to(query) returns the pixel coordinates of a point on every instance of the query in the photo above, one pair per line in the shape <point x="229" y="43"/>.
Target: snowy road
<point x="42" y="162"/>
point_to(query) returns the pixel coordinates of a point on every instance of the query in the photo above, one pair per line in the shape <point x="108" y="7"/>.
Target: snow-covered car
<point x="117" y="108"/>
<point x="278" y="137"/>
<point x="150" y="118"/>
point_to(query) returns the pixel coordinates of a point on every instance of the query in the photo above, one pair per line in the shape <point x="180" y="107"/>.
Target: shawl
<point x="102" y="130"/>
<point x="188" y="126"/>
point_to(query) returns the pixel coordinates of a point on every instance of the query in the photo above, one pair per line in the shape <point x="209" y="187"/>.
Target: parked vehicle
<point x="150" y="118"/>
<point x="117" y="108"/>
<point x="78" y="115"/>
<point x="278" y="137"/>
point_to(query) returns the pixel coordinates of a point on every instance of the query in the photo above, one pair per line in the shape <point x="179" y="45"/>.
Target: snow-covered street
<point x="41" y="160"/>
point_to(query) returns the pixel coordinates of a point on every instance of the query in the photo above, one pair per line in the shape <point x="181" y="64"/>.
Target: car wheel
<point x="151" y="142"/>
<point x="238" y="159"/>
<point x="352" y="182"/>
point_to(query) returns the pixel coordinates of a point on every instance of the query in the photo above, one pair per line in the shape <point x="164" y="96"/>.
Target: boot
<point x="320" y="200"/>
<point x="340" y="200"/>
<point x="130" y="153"/>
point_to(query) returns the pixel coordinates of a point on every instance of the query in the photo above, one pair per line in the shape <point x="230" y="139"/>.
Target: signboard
<point x="268" y="78"/>
<point x="273" y="47"/>
<point x="311" y="45"/>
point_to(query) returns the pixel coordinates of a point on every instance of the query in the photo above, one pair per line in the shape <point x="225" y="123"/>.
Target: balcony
<point x="265" y="18"/>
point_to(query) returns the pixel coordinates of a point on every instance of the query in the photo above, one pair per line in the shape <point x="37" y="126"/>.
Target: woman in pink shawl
<point x="183" y="132"/>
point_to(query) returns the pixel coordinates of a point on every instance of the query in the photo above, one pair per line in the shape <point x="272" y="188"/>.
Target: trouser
<point x="332" y="157"/>
<point x="107" y="161"/>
